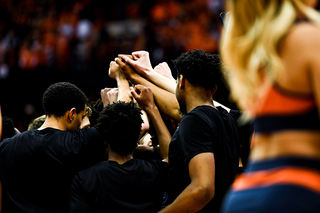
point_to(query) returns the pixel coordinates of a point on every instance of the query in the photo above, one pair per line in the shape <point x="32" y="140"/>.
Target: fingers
<point x="165" y="65"/>
<point x="164" y="69"/>
<point x="104" y="96"/>
<point x="113" y="94"/>
<point x="134" y="93"/>
<point x="113" y="63"/>
<point x="143" y="95"/>
<point x="127" y="60"/>
<point x="139" y="54"/>
<point x="138" y="92"/>
<point x="113" y="67"/>
<point x="123" y="66"/>
<point x="105" y="90"/>
<point x="121" y="55"/>
<point x="157" y="67"/>
<point x="142" y="90"/>
<point x="139" y="87"/>
<point x="119" y="62"/>
<point x="131" y="59"/>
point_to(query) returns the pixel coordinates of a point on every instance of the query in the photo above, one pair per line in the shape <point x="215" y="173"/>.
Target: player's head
<point x="63" y="97"/>
<point x="199" y="68"/>
<point x="120" y="126"/>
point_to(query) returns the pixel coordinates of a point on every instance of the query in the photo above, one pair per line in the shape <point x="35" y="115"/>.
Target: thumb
<point x="134" y="93"/>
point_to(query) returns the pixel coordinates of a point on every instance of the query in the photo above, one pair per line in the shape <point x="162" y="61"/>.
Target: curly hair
<point x="96" y="107"/>
<point x="199" y="68"/>
<point x="61" y="97"/>
<point x="120" y="126"/>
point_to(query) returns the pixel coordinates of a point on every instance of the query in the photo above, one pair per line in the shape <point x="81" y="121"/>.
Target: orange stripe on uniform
<point x="275" y="103"/>
<point x="303" y="177"/>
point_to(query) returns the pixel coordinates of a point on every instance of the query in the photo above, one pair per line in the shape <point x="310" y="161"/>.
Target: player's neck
<point x="199" y="99"/>
<point x="53" y="122"/>
<point x="119" y="158"/>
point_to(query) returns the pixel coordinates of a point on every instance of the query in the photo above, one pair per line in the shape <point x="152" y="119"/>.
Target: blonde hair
<point x="88" y="111"/>
<point x="37" y="122"/>
<point x="250" y="45"/>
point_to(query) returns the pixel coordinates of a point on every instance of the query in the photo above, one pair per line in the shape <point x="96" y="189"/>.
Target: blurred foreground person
<point x="0" y="123"/>
<point x="0" y="180"/>
<point x="271" y="53"/>
<point x="37" y="166"/>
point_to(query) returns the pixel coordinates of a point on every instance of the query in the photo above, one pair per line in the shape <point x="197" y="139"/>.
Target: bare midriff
<point x="304" y="144"/>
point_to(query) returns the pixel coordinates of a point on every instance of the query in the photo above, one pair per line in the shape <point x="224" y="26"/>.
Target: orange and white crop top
<point x="280" y="109"/>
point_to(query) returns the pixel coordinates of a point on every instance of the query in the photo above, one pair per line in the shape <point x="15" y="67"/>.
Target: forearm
<point x="145" y="125"/>
<point x="166" y="101"/>
<point x="191" y="199"/>
<point x="163" y="134"/>
<point x="201" y="189"/>
<point x="124" y="93"/>
<point x="161" y="81"/>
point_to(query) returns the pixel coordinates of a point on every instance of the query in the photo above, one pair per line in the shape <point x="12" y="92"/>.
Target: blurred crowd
<point x="45" y="41"/>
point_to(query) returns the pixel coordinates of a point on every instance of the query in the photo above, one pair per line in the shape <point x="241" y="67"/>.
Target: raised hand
<point x="127" y="70"/>
<point x="164" y="69"/>
<point x="109" y="95"/>
<point x="141" y="62"/>
<point x="115" y="70"/>
<point x="143" y="96"/>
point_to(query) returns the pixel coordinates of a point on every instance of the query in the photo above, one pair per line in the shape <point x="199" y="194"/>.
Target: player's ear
<point x="181" y="82"/>
<point x="214" y="90"/>
<point x="71" y="113"/>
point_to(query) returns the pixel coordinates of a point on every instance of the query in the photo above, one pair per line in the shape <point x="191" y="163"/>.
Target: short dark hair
<point x="120" y="126"/>
<point x="61" y="97"/>
<point x="199" y="68"/>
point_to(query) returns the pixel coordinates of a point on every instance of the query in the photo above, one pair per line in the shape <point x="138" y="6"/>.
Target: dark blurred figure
<point x="37" y="166"/>
<point x="113" y="185"/>
<point x="8" y="129"/>
<point x="96" y="107"/>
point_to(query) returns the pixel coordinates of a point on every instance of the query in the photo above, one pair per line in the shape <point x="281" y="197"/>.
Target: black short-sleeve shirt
<point x="135" y="186"/>
<point x="202" y="130"/>
<point x="37" y="167"/>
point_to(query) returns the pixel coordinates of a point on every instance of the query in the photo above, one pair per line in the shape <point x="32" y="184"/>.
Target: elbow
<point x="176" y="116"/>
<point x="209" y="194"/>
<point x="205" y="194"/>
